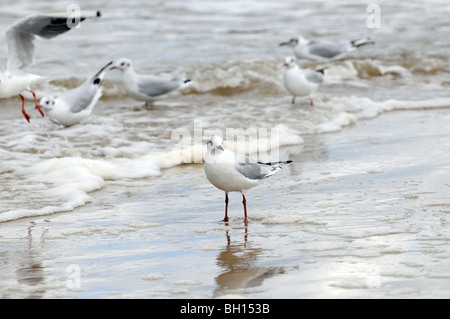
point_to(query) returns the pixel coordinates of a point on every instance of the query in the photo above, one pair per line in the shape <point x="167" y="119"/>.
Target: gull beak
<point x="283" y="43"/>
<point x="113" y="68"/>
<point x="220" y="147"/>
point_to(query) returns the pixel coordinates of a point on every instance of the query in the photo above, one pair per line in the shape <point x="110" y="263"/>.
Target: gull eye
<point x="123" y="63"/>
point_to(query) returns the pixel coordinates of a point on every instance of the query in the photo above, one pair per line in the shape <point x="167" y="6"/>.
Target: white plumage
<point x="301" y="82"/>
<point x="76" y="105"/>
<point x="324" y="50"/>
<point x="143" y="87"/>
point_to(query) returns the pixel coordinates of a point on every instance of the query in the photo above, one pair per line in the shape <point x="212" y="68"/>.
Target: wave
<point x="265" y="76"/>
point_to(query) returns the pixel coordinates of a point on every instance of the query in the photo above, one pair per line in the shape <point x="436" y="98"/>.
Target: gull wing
<point x="251" y="169"/>
<point x="313" y="76"/>
<point x="20" y="36"/>
<point x="326" y="49"/>
<point x="89" y="92"/>
<point x="154" y="86"/>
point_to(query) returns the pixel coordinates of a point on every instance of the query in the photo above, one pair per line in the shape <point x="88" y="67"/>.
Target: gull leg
<point x="244" y="201"/>
<point x="226" y="208"/>
<point x="36" y="102"/>
<point x="149" y="105"/>
<point x="311" y="101"/>
<point x="293" y="100"/>
<point x="27" y="117"/>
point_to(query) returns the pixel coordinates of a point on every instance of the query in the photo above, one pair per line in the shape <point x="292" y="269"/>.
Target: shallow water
<point x="347" y="219"/>
<point x="360" y="213"/>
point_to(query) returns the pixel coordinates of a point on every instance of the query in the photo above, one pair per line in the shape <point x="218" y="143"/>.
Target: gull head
<point x="289" y="62"/>
<point x="214" y="145"/>
<point x="292" y="42"/>
<point x="47" y="103"/>
<point x="122" y="64"/>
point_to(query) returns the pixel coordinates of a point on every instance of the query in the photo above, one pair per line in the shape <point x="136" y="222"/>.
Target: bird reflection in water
<point x="241" y="267"/>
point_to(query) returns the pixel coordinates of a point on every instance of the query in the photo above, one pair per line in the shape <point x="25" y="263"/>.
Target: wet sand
<point x="362" y="213"/>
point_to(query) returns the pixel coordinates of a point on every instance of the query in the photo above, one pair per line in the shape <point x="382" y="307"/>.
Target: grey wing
<point x="154" y="86"/>
<point x="252" y="170"/>
<point x="80" y="98"/>
<point x="314" y="76"/>
<point x="326" y="49"/>
<point x="20" y="35"/>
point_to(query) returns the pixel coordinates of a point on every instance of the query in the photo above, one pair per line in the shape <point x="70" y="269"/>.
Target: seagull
<point x="146" y="87"/>
<point x="301" y="82"/>
<point x="75" y="105"/>
<point x="324" y="50"/>
<point x="20" y="40"/>
<point x="233" y="172"/>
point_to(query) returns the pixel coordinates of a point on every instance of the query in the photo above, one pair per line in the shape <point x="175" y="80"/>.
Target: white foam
<point x="69" y="180"/>
<point x="348" y="110"/>
<point x="420" y="104"/>
<point x="342" y="120"/>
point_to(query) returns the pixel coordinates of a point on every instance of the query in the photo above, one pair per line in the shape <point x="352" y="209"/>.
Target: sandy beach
<point x="359" y="214"/>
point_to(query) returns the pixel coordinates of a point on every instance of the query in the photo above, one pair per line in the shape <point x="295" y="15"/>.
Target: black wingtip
<point x="99" y="14"/>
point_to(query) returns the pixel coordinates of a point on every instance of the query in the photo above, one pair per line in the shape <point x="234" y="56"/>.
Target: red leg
<point x="226" y="208"/>
<point x="311" y="102"/>
<point x="27" y="117"/>
<point x="244" y="201"/>
<point x="293" y="100"/>
<point x="37" y="105"/>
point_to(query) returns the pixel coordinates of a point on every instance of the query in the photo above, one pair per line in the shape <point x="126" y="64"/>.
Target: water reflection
<point x="241" y="268"/>
<point x="30" y="276"/>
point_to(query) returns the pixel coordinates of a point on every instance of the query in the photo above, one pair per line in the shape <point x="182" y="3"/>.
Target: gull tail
<point x="361" y="42"/>
<point x="185" y="83"/>
<point x="276" y="166"/>
<point x="97" y="79"/>
<point x="322" y="69"/>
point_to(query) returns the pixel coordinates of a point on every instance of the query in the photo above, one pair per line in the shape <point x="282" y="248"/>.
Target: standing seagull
<point x="301" y="82"/>
<point x="233" y="172"/>
<point x="20" y="39"/>
<point x="75" y="105"/>
<point x="146" y="87"/>
<point x="324" y="50"/>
